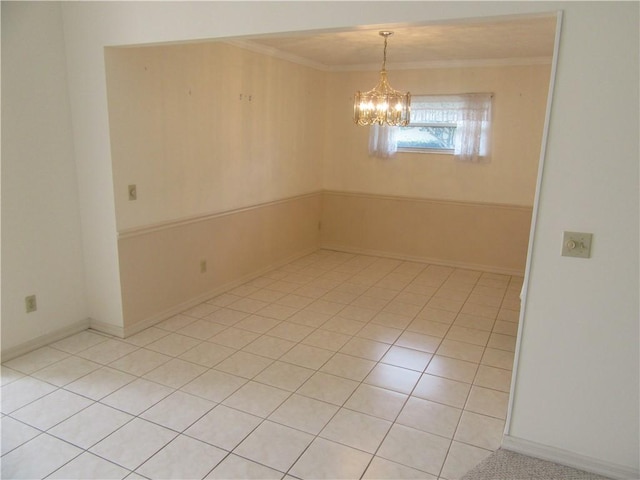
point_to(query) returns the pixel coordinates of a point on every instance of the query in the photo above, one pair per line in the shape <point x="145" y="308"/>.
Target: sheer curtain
<point x="473" y="127"/>
<point x="382" y="141"/>
<point x="435" y="109"/>
<point x="470" y="112"/>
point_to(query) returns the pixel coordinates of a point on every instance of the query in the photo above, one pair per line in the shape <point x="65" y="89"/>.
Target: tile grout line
<point x="334" y="353"/>
<point x="404" y="405"/>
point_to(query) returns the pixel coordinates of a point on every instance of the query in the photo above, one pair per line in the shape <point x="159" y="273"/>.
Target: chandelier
<point x="383" y="105"/>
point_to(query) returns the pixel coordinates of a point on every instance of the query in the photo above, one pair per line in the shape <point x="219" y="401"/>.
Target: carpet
<point x="507" y="465"/>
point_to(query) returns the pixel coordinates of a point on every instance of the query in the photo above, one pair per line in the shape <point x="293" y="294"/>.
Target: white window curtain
<point x="470" y="112"/>
<point x="473" y="131"/>
<point x="382" y="141"/>
<point x="435" y="108"/>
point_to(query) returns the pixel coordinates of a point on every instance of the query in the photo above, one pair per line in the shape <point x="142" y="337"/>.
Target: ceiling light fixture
<point x="383" y="105"/>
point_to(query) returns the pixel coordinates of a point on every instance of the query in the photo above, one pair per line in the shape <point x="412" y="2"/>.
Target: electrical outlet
<point x="30" y="303"/>
<point x="133" y="192"/>
<point x="203" y="266"/>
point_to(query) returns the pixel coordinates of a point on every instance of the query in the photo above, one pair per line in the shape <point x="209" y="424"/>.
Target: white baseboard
<point x="108" y="328"/>
<point x="123" y="332"/>
<point x="181" y="307"/>
<point x="432" y="261"/>
<point x="569" y="459"/>
<point x="46" y="339"/>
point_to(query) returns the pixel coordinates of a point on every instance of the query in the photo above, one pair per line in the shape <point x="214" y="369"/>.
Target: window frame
<point x="433" y="99"/>
<point x="429" y="150"/>
<point x="468" y="115"/>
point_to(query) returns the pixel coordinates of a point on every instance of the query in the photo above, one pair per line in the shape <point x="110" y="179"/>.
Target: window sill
<point x="426" y="150"/>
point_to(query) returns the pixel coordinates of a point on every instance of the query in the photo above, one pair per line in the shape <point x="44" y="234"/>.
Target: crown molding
<point x="274" y="52"/>
<point x="485" y="62"/>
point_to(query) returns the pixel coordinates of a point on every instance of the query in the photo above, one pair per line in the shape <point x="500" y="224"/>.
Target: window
<point x="427" y="137"/>
<point x="453" y="124"/>
<point x="433" y="126"/>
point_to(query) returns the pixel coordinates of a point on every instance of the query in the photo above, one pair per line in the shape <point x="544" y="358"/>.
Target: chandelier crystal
<point x="383" y="105"/>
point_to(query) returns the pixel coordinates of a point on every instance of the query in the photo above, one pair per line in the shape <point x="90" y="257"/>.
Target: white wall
<point x="578" y="363"/>
<point x="578" y="310"/>
<point x="41" y="247"/>
<point x="89" y="27"/>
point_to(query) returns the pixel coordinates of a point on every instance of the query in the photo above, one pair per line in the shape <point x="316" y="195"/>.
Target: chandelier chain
<point x="384" y="55"/>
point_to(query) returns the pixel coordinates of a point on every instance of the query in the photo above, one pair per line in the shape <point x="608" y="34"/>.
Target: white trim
<point x="429" y="151"/>
<point x="407" y="198"/>
<point x="534" y="221"/>
<point x="411" y="258"/>
<point x="151" y="228"/>
<point x="175" y="310"/>
<point x="107" y="328"/>
<point x="570" y="459"/>
<point x="155" y="227"/>
<point x="470" y="63"/>
<point x="45" y="339"/>
<point x="247" y="44"/>
<point x="125" y="332"/>
<point x="275" y="53"/>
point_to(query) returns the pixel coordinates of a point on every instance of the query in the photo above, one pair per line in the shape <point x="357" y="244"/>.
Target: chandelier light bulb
<point x="374" y="107"/>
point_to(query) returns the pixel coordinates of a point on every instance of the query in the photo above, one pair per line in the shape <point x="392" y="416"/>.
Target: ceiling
<point x="523" y="39"/>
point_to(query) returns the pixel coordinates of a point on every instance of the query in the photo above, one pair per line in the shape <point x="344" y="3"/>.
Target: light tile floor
<point x="334" y="366"/>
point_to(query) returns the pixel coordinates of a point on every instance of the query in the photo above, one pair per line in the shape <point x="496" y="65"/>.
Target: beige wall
<point x="519" y="107"/>
<point x="160" y="267"/>
<point x="472" y="235"/>
<point x="208" y="127"/>
<point x="225" y="170"/>
<point x="428" y="206"/>
<point x="210" y="133"/>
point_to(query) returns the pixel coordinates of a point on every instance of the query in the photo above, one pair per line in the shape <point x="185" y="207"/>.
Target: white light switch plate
<point x="576" y="244"/>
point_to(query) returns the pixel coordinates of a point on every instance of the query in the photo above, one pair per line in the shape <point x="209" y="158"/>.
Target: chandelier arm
<point x="383" y="105"/>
